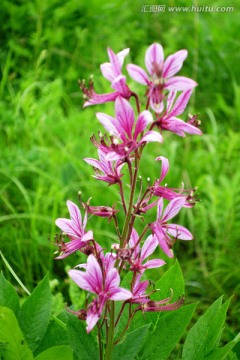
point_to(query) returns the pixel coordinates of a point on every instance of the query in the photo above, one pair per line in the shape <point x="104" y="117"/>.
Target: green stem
<point x="120" y="312"/>
<point x="110" y="334"/>
<point x="122" y="196"/>
<point x="100" y="342"/>
<point x="129" y="212"/>
<point x="117" y="227"/>
<point x="126" y="327"/>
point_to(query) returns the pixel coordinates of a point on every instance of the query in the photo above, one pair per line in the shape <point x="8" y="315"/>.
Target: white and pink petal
<point x="121" y="56"/>
<point x="80" y="278"/>
<point x="108" y="122"/>
<point x="163" y="239"/>
<point x="179" y="232"/>
<point x="94" y="274"/>
<point x="107" y="71"/>
<point x="75" y="214"/>
<point x="181" y="103"/>
<point x="70" y="247"/>
<point x="170" y="100"/>
<point x="114" y="60"/>
<point x="151" y="136"/>
<point x="165" y="167"/>
<point x="157" y="107"/>
<point x="119" y="84"/>
<point x="144" y="119"/>
<point x="139" y="288"/>
<point x="154" y="56"/>
<point x="173" y="63"/>
<point x="148" y="247"/>
<point x="154" y="263"/>
<point x="100" y="98"/>
<point x="112" y="280"/>
<point x="133" y="241"/>
<point x="67" y="226"/>
<point x="124" y="115"/>
<point x="179" y="83"/>
<point x="92" y="319"/>
<point x="95" y="163"/>
<point x="138" y="74"/>
<point x="159" y="208"/>
<point x="120" y="294"/>
<point x="88" y="236"/>
<point x="113" y="156"/>
<point x="180" y="127"/>
<point x="173" y="208"/>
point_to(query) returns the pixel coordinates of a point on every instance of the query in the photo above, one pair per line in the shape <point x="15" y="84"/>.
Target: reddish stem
<point x="137" y="101"/>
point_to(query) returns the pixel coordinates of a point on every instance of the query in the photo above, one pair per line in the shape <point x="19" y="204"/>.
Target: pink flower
<point x="143" y="299"/>
<point x="108" y="261"/>
<point x="111" y="171"/>
<point x="75" y="230"/>
<point x="113" y="72"/>
<point x="121" y="128"/>
<point x="92" y="98"/>
<point x="139" y="255"/>
<point x="161" y="229"/>
<point x="139" y="291"/>
<point x="102" y="211"/>
<point x="161" y="74"/>
<point x="105" y="286"/>
<point x="162" y="305"/>
<point x="169" y="121"/>
<point x="168" y="193"/>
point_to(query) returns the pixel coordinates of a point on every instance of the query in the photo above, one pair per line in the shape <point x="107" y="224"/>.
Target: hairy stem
<point x="117" y="227"/>
<point x="100" y="342"/>
<point x="122" y="197"/>
<point x="126" y="327"/>
<point x="137" y="102"/>
<point x="120" y="313"/>
<point x="110" y="333"/>
<point x="130" y="170"/>
<point x="129" y="212"/>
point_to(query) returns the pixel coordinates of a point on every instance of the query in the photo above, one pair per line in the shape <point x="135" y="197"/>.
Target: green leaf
<point x="8" y="295"/>
<point x="205" y="334"/>
<point x="35" y="313"/>
<point x="83" y="344"/>
<point x="221" y="353"/>
<point x="13" y="346"/>
<point x="131" y="345"/>
<point x="167" y="333"/>
<point x="56" y="353"/>
<point x="232" y="356"/>
<point x="172" y="279"/>
<point x="13" y="273"/>
<point x="126" y="281"/>
<point x="55" y="335"/>
<point x="77" y="296"/>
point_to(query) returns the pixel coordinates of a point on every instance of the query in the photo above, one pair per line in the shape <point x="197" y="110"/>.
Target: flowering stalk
<point x="129" y="213"/>
<point x="166" y="97"/>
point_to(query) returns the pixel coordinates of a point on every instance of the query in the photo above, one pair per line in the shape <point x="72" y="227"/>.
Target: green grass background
<point x="46" y="45"/>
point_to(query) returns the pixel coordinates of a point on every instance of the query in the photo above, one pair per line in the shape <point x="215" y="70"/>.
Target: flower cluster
<point x="127" y="134"/>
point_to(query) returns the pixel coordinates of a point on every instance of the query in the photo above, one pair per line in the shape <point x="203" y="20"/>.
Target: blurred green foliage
<point x="44" y="133"/>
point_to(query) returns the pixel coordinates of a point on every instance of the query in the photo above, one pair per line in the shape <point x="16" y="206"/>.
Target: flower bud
<point x="102" y="211"/>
